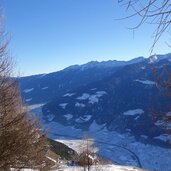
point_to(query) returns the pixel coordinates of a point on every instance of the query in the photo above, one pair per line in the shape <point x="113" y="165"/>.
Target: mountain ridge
<point x="111" y="84"/>
<point x="114" y="104"/>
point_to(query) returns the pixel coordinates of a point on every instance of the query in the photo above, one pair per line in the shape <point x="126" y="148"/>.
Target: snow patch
<point x="84" y="96"/>
<point x="137" y="118"/>
<point x="83" y="119"/>
<point x="50" y="117"/>
<point x="134" y="112"/>
<point x="159" y="123"/>
<point x="92" y="98"/>
<point x="77" y="104"/>
<point x="63" y="105"/>
<point x="100" y="93"/>
<point x="95" y="98"/>
<point x="164" y="137"/>
<point x="148" y="82"/>
<point x="153" y="59"/>
<point x="28" y="100"/>
<point x="68" y="116"/>
<point x="35" y="106"/>
<point x="68" y="94"/>
<point x="28" y="90"/>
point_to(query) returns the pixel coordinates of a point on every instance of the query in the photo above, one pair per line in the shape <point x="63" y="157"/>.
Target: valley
<point x="112" y="102"/>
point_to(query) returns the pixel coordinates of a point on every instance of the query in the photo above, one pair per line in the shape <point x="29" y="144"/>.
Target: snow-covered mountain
<point x="121" y="95"/>
<point x="106" y="64"/>
<point x="122" y="101"/>
<point x="115" y="96"/>
<point x="44" y="87"/>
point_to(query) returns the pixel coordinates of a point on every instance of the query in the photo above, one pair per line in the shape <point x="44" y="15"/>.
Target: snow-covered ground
<point x="36" y="106"/>
<point x="110" y="145"/>
<point x="63" y="105"/>
<point x="28" y="90"/>
<point x="68" y="116"/>
<point x="153" y="158"/>
<point x="28" y="100"/>
<point x="83" y="119"/>
<point x="134" y="112"/>
<point x="94" y="98"/>
<point x="77" y="104"/>
<point x="94" y="168"/>
<point x="101" y="168"/>
<point x="148" y="82"/>
<point x="68" y="94"/>
<point x="44" y="88"/>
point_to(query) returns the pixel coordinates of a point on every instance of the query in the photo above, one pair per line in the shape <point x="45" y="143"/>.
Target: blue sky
<point x="49" y="35"/>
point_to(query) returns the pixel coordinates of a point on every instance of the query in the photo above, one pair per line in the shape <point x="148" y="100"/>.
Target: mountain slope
<point x="62" y="150"/>
<point x="115" y="105"/>
<point x="122" y="101"/>
<point x="43" y="88"/>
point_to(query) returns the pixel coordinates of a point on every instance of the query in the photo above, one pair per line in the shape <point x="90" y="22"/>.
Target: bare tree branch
<point x="156" y="12"/>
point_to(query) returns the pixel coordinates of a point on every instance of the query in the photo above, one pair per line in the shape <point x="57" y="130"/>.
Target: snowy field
<point x="102" y="168"/>
<point x="94" y="168"/>
<point x="152" y="158"/>
<point x="109" y="144"/>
